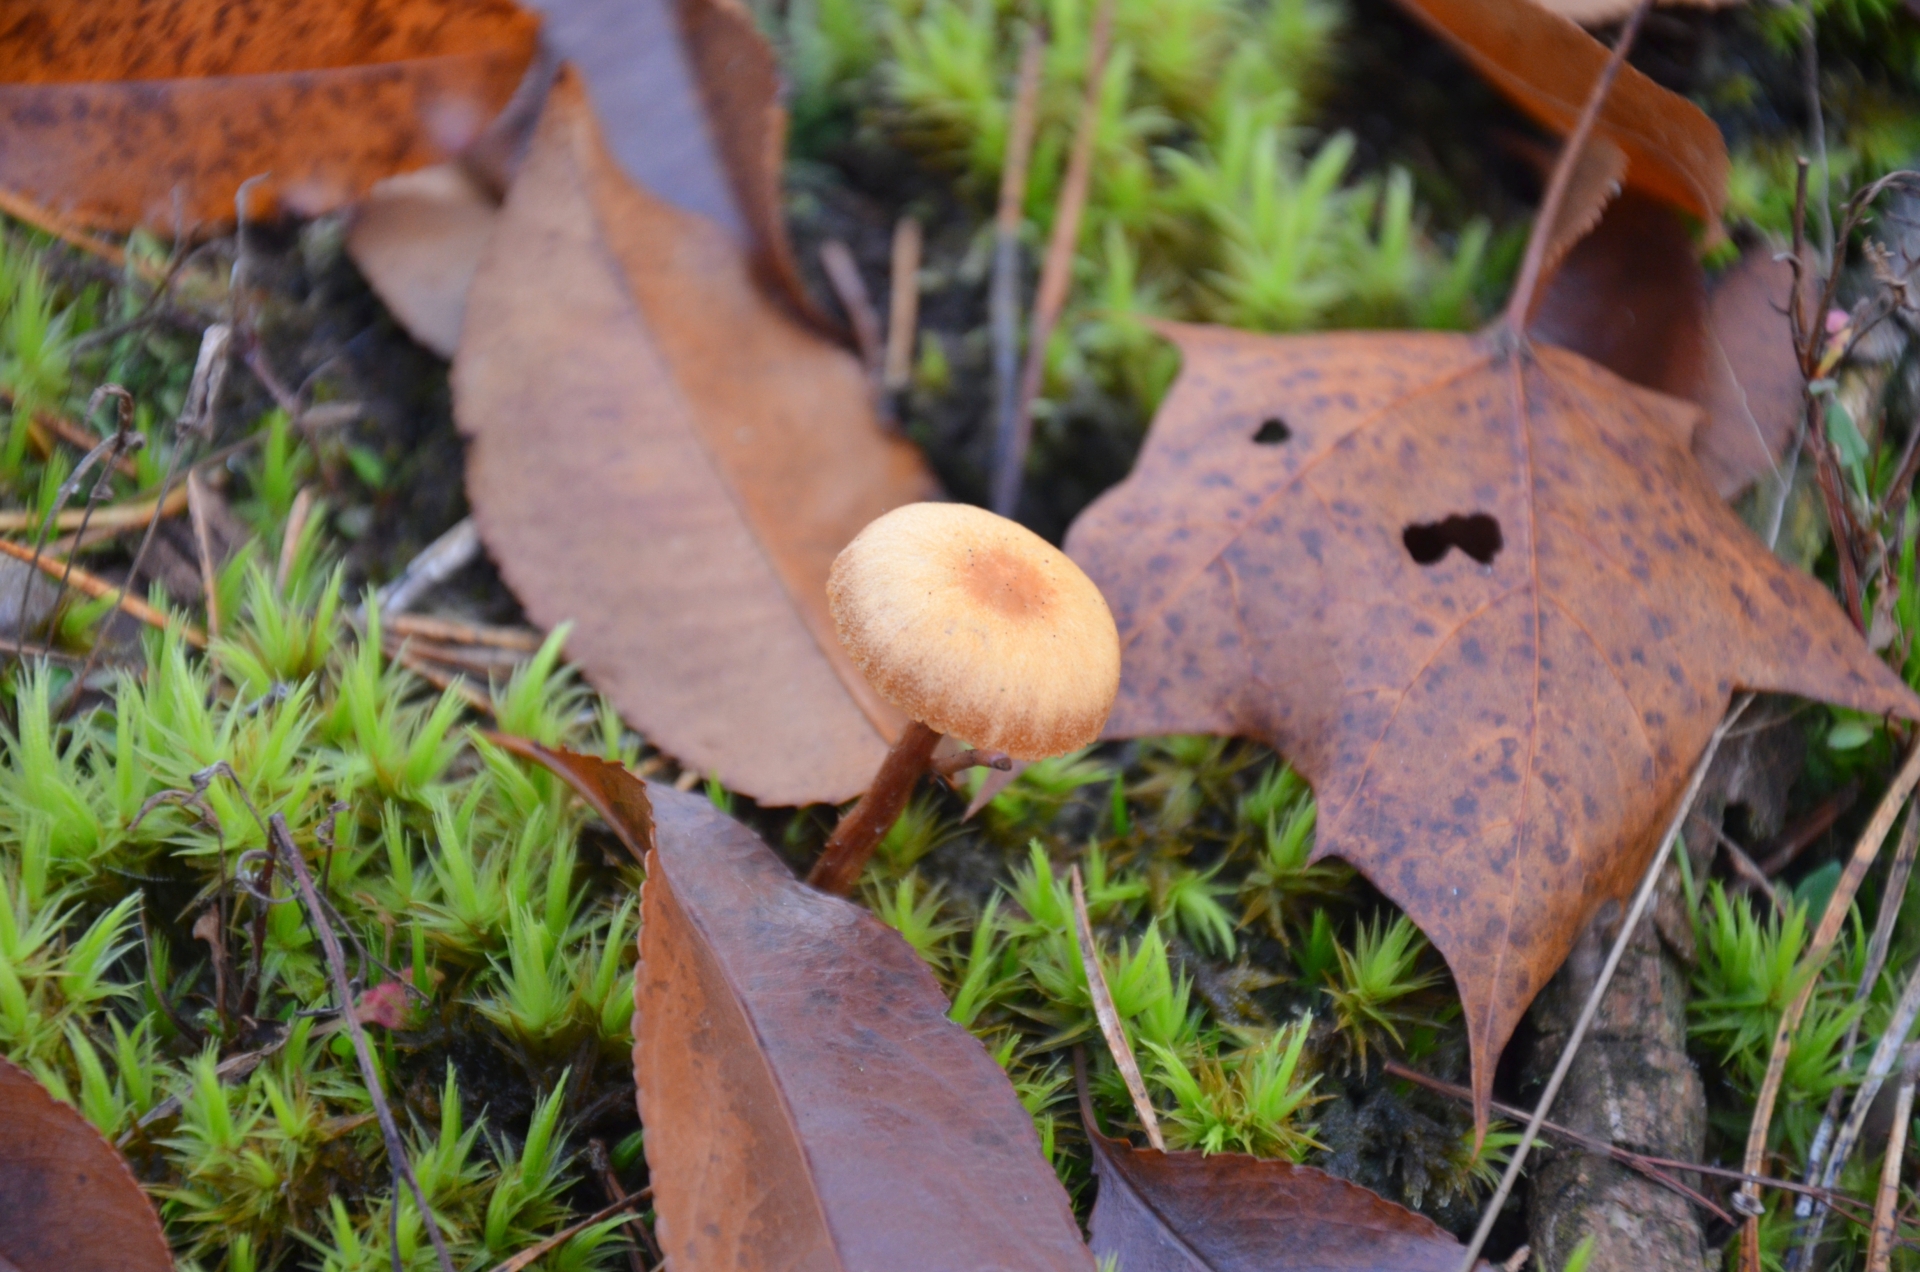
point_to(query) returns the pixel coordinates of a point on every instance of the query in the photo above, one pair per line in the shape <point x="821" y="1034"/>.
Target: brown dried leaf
<point x="107" y="109"/>
<point x="418" y="238"/>
<point x="687" y="93"/>
<point x="1632" y="297"/>
<point x="1189" y="1212"/>
<point x="1480" y="595"/>
<point x="1546" y="65"/>
<point x="806" y="1099"/>
<point x="68" y="1203"/>
<point x="666" y="458"/>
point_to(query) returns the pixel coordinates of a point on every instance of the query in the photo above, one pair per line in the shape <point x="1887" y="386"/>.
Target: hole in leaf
<point x="1272" y="431"/>
<point x="1478" y="536"/>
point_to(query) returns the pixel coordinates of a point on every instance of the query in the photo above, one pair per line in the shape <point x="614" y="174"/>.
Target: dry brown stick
<point x="1056" y="270"/>
<point x="1750" y="874"/>
<point x="45" y="427"/>
<point x="431" y="627"/>
<point x="1879" y="1065"/>
<point x="843" y="274"/>
<point x="462" y="687"/>
<point x="95" y="586"/>
<point x="23" y="209"/>
<point x="477" y="659"/>
<point x="290" y="538"/>
<point x="281" y="840"/>
<point x="1890" y="901"/>
<point x="1108" y="1015"/>
<point x="903" y="305"/>
<point x="116" y="517"/>
<point x="1831" y="923"/>
<point x="1880" y="1237"/>
<point x="1003" y="294"/>
<point x="197" y="497"/>
<point x="1642" y="898"/>
<point x="616" y="1192"/>
<point x="541" y="1249"/>
<point x="439" y="561"/>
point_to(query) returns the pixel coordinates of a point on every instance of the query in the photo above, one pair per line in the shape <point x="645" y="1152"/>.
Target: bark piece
<point x="1632" y="1085"/>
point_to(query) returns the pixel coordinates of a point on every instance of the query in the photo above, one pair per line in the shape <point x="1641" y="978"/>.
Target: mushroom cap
<point x="977" y="627"/>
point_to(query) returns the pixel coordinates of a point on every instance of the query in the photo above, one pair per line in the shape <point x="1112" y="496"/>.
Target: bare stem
<point x="862" y="829"/>
<point x="1533" y="264"/>
<point x="1056" y="271"/>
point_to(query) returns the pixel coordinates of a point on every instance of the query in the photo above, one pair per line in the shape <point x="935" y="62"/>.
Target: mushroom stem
<point x="862" y="829"/>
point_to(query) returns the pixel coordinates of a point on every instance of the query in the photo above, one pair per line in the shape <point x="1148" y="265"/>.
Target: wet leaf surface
<point x="1544" y="64"/>
<point x="109" y="111"/>
<point x="1189" y="1212"/>
<point x="68" y="1203"/>
<point x="806" y="1099"/>
<point x="665" y="456"/>
<point x="1481" y="596"/>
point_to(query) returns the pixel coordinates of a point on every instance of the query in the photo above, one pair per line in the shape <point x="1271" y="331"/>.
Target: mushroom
<point x="977" y="628"/>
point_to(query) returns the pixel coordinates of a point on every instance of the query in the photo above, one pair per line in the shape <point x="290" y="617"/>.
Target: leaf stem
<point x="1533" y="264"/>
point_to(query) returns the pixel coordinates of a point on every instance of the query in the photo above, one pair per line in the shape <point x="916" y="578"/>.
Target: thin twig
<point x="437" y="562"/>
<point x="23" y="209"/>
<point x="197" y="498"/>
<point x="454" y="632"/>
<point x="291" y="536"/>
<point x="1890" y="899"/>
<point x="97" y="587"/>
<point x="282" y="841"/>
<point x="1003" y="294"/>
<point x="843" y="274"/>
<point x="602" y="1166"/>
<point x="541" y="1249"/>
<point x="203" y="393"/>
<point x="903" y="305"/>
<point x="1885" y="1054"/>
<point x="1056" y="270"/>
<point x="1533" y="264"/>
<point x="108" y="451"/>
<point x="1880" y="1238"/>
<point x="1831" y="923"/>
<point x="1647" y="1163"/>
<point x="1628" y="927"/>
<point x="113" y="518"/>
<point x="1109" y="1017"/>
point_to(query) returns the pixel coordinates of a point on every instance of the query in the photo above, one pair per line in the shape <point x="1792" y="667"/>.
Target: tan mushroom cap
<point x="979" y="628"/>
